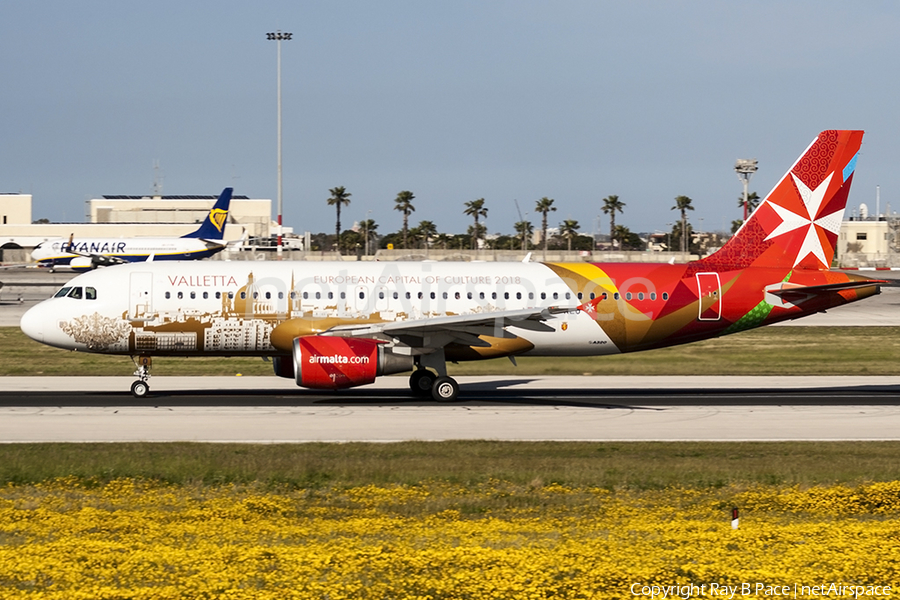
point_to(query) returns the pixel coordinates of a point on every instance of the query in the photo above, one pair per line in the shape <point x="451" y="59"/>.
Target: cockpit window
<point x="75" y="292"/>
<point x="90" y="293"/>
<point x="62" y="292"/>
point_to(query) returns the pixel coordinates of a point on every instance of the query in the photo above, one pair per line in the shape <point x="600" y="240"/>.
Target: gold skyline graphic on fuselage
<point x="248" y="322"/>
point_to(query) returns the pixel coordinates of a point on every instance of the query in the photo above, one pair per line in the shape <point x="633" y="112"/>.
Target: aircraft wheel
<point x="421" y="382"/>
<point x="139" y="389"/>
<point x="445" y="389"/>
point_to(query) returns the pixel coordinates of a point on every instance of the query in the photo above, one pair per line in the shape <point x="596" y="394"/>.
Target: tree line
<point x="426" y="235"/>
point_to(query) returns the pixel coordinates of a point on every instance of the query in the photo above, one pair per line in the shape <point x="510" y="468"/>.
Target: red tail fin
<point x="798" y="223"/>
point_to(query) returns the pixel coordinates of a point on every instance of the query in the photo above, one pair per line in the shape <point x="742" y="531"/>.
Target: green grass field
<point x="633" y="465"/>
<point x="765" y="351"/>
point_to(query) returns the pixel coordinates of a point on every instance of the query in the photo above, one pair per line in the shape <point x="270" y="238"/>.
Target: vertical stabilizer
<point x="798" y="223"/>
<point x="213" y="227"/>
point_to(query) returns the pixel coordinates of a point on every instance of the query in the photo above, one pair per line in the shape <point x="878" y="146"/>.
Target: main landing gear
<point x="424" y="382"/>
<point x="442" y="388"/>
<point x="141" y="388"/>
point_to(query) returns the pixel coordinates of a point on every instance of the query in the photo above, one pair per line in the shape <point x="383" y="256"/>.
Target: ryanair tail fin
<point x="798" y="223"/>
<point x="213" y="227"/>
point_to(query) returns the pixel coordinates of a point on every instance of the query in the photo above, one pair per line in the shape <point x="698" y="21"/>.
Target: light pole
<point x="366" y="227"/>
<point x="745" y="168"/>
<point x="278" y="36"/>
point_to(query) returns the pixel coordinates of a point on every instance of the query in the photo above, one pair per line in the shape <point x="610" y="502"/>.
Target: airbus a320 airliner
<point x="90" y="253"/>
<point x="339" y="325"/>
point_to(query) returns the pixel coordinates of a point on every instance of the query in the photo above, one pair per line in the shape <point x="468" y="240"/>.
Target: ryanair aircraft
<point x="87" y="254"/>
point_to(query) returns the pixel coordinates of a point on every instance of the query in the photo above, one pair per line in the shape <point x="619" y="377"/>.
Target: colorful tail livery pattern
<point x="342" y="324"/>
<point x="775" y="267"/>
<point x="798" y="223"/>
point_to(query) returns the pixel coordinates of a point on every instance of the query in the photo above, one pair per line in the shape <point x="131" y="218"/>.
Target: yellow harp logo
<point x="218" y="216"/>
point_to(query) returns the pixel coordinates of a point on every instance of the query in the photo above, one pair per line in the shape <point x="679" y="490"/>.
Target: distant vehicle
<point x="342" y="324"/>
<point x="87" y="254"/>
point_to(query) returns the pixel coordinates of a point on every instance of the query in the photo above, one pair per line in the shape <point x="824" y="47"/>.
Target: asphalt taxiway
<point x="266" y="410"/>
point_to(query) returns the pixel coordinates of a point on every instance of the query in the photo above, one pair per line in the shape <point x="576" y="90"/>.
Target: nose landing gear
<point x="141" y="388"/>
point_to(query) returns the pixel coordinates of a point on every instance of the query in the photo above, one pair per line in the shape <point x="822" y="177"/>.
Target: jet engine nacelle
<point x="326" y="362"/>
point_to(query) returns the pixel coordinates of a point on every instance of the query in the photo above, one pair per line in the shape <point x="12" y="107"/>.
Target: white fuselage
<point x="61" y="252"/>
<point x="188" y="308"/>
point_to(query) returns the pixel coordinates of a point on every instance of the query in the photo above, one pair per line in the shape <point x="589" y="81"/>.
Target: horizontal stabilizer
<point x="788" y="288"/>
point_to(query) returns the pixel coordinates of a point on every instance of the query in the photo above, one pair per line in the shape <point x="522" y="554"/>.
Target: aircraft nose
<point x="32" y="323"/>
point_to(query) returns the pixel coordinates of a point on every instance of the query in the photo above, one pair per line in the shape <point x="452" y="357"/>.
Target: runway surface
<point x="268" y="410"/>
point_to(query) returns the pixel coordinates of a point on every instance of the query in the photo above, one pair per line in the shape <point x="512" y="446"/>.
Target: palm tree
<point x="683" y="204"/>
<point x="403" y="203"/>
<point x="611" y="204"/>
<point x="752" y="202"/>
<point x="427" y="230"/>
<point x="524" y="229"/>
<point x="544" y="206"/>
<point x="368" y="228"/>
<point x="476" y="209"/>
<point x="339" y="196"/>
<point x="569" y="229"/>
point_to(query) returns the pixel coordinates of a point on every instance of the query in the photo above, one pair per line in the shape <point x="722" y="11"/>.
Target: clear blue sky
<point x="451" y="100"/>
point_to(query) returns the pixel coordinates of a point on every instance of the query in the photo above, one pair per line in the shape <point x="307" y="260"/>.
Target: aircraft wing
<point x="426" y="335"/>
<point x="99" y="260"/>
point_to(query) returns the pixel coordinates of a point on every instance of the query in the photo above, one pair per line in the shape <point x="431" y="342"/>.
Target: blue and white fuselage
<point x="86" y="254"/>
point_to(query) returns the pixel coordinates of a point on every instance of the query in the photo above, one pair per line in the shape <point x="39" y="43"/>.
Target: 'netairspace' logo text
<point x="716" y="590"/>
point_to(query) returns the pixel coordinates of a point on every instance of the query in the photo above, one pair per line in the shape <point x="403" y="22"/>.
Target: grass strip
<point x="631" y="465"/>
